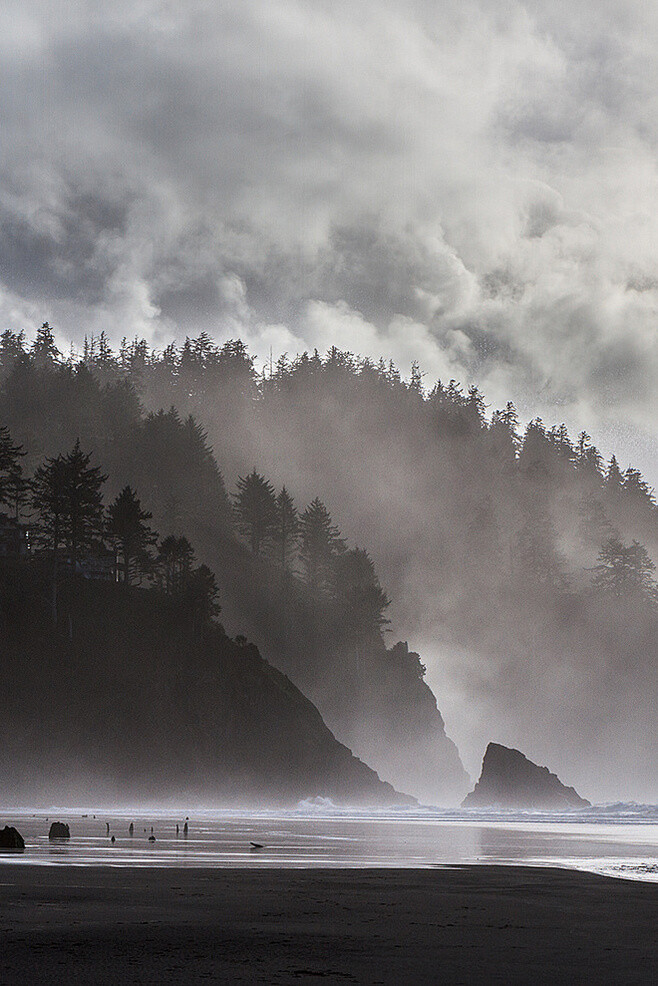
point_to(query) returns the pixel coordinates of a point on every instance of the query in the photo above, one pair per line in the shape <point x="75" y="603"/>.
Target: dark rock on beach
<point x="11" y="840"/>
<point x="510" y="780"/>
<point x="59" y="830"/>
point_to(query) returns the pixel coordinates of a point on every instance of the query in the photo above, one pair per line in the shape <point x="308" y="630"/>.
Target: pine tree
<point x="199" y="594"/>
<point x="83" y="513"/>
<point x="587" y="455"/>
<point x="415" y="385"/>
<point x="285" y="532"/>
<point x="12" y="348"/>
<point x="536" y="453"/>
<point x="15" y="491"/>
<point x="635" y="487"/>
<point x="360" y="594"/>
<point x="44" y="351"/>
<point x="475" y="408"/>
<point x="559" y="437"/>
<point x="10" y="455"/>
<point x="174" y="564"/>
<point x="49" y="501"/>
<point x="505" y="437"/>
<point x="129" y="532"/>
<point x="625" y="571"/>
<point x="320" y="542"/>
<point x="614" y="479"/>
<point x="66" y="493"/>
<point x="255" y="510"/>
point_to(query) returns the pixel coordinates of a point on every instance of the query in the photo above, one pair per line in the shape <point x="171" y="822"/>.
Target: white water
<point x="617" y="840"/>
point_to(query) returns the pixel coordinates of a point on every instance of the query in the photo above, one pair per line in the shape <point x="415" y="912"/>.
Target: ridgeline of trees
<point x="546" y="504"/>
<point x="517" y="544"/>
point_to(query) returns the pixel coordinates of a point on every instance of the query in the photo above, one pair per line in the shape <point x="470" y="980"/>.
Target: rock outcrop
<point x="510" y="780"/>
<point x="388" y="715"/>
<point x="59" y="830"/>
<point x="159" y="711"/>
<point x="11" y="840"/>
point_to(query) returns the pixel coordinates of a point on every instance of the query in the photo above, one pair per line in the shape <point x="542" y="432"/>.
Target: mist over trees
<point x="519" y="548"/>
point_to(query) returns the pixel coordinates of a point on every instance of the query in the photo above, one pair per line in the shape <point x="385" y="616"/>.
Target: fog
<point x="563" y="701"/>
<point x="471" y="190"/>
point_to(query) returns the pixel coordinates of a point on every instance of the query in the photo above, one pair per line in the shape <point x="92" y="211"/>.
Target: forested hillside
<point x="519" y="561"/>
<point x="287" y="578"/>
<point x="131" y="697"/>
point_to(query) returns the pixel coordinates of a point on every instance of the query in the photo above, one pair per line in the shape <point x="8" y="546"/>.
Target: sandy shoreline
<point x="477" y="924"/>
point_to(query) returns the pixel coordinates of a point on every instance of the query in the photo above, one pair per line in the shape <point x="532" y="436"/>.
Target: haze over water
<point x="618" y="840"/>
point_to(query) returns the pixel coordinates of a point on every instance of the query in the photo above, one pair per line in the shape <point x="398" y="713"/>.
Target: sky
<point x="472" y="186"/>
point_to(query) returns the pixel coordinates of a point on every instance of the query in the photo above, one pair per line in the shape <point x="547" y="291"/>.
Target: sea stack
<point x="59" y="830"/>
<point x="11" y="840"/>
<point x="510" y="780"/>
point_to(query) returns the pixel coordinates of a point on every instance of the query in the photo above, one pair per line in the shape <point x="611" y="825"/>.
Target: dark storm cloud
<point x="472" y="186"/>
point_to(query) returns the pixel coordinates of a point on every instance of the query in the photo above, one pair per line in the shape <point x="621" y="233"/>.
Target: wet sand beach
<point x="471" y="925"/>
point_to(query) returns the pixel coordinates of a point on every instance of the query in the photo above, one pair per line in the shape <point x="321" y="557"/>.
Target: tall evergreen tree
<point x="66" y="493"/>
<point x="10" y="456"/>
<point x="559" y="437"/>
<point x="588" y="456"/>
<point x="614" y="479"/>
<point x="285" y="532"/>
<point x="128" y="530"/>
<point x="360" y="594"/>
<point x="83" y="500"/>
<point x="44" y="350"/>
<point x="636" y="488"/>
<point x="175" y="561"/>
<point x="255" y="510"/>
<point x="12" y="348"/>
<point x="626" y="571"/>
<point x="320" y="542"/>
<point x="199" y="594"/>
<point x="49" y="502"/>
<point x="15" y="491"/>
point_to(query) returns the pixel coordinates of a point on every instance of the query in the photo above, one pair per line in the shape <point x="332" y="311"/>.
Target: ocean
<point x="617" y="840"/>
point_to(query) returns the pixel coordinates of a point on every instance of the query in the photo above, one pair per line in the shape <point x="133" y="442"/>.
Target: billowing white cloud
<point x="470" y="185"/>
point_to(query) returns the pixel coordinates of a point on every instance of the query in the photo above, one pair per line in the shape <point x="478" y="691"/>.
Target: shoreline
<point x="477" y="923"/>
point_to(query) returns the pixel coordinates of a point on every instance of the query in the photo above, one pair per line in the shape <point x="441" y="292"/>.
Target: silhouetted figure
<point x="185" y="830"/>
<point x="177" y="830"/>
<point x="131" y="829"/>
<point x="113" y="840"/>
<point x="151" y="830"/>
<point x="107" y="828"/>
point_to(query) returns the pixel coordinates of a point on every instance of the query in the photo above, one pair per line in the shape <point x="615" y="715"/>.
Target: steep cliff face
<point x="123" y="701"/>
<point x="374" y="699"/>
<point x="510" y="780"/>
<point x="379" y="704"/>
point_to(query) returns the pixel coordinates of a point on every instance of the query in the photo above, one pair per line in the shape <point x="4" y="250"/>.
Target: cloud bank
<point x="472" y="186"/>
